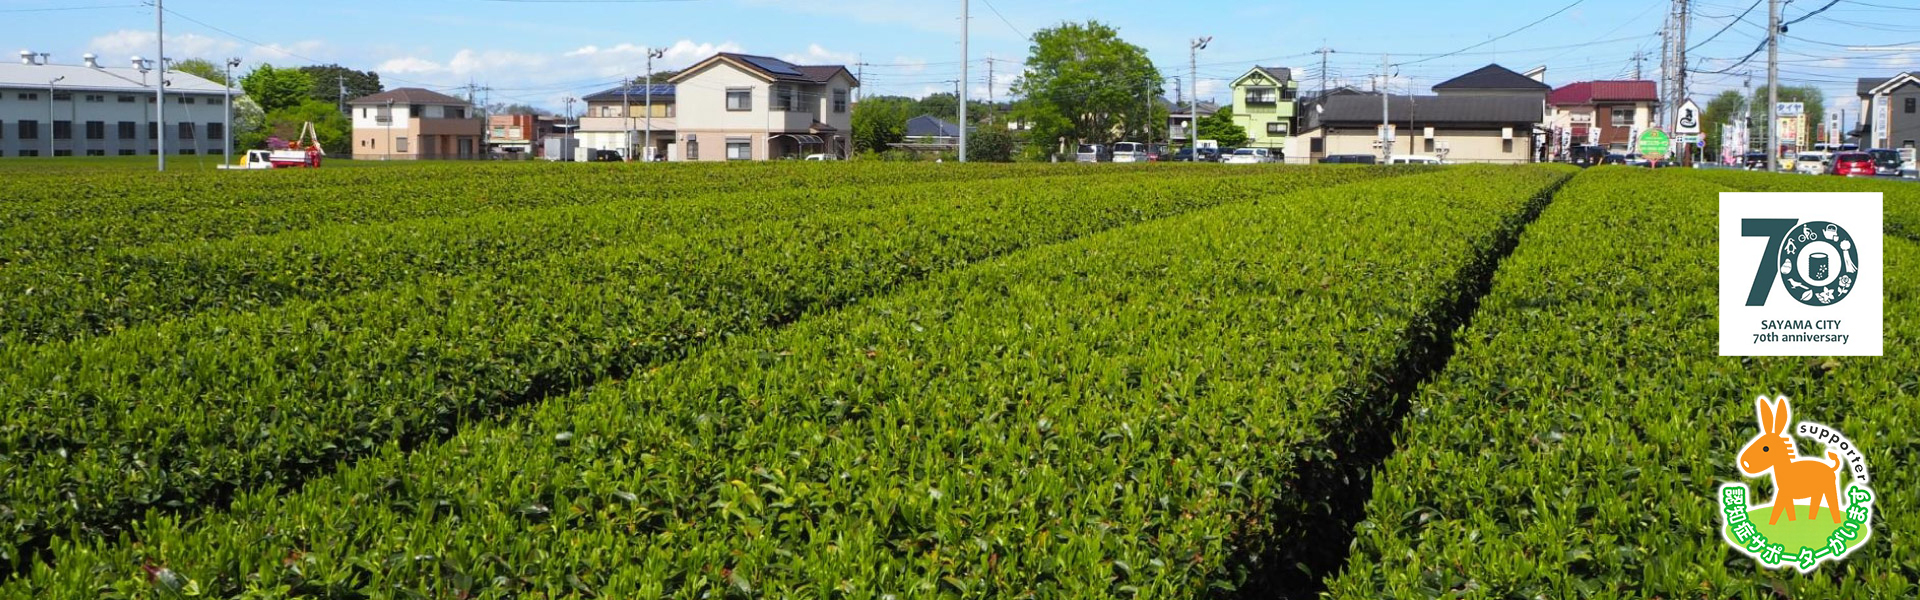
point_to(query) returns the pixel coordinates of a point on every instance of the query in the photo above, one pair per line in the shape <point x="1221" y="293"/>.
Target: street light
<point x="1193" y="63"/>
<point x="226" y="150"/>
<point x="50" y="117"/>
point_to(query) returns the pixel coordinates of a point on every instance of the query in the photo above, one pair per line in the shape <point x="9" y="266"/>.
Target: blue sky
<point x="539" y="51"/>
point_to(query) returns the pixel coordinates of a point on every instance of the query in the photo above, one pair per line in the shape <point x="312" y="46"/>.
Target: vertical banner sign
<point x="1800" y="274"/>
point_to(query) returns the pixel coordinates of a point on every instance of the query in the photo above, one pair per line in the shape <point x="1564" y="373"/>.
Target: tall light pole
<point x="160" y="86"/>
<point x="1386" y="118"/>
<point x="965" y="5"/>
<point x="226" y="149"/>
<point x="1193" y="112"/>
<point x="50" y="116"/>
<point x="1773" y="85"/>
<point x="652" y="53"/>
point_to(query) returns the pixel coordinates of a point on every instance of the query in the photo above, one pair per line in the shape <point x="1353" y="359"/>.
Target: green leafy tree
<point x="990" y="144"/>
<point x="1722" y="109"/>
<point x="326" y="80"/>
<point x="1084" y="83"/>
<point x="1220" y="127"/>
<point x="333" y="128"/>
<point x="944" y="105"/>
<point x="202" y="68"/>
<point x="498" y="108"/>
<point x="658" y="77"/>
<point x="276" y="89"/>
<point x="1814" y="99"/>
<point x="879" y="122"/>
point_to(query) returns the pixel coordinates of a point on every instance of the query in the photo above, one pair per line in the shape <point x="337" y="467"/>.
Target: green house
<point x="1263" y="104"/>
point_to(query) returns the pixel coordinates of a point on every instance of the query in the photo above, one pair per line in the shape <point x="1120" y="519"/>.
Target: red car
<point x="1852" y="164"/>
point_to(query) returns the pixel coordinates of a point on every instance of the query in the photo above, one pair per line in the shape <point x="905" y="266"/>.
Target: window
<point x="384" y="115"/>
<point x="126" y="130"/>
<point x="216" y="131"/>
<point x="126" y="152"/>
<point x="1287" y="94"/>
<point x="96" y="153"/>
<point x="455" y="112"/>
<point x="29" y="130"/>
<point x="607" y="111"/>
<point x="186" y="131"/>
<point x="1622" y="118"/>
<point x="153" y="130"/>
<point x="63" y="153"/>
<point x="29" y="152"/>
<point x="128" y="99"/>
<point x="693" y="149"/>
<point x="399" y="144"/>
<point x="183" y="100"/>
<point x="1262" y="95"/>
<point x="1276" y="128"/>
<point x="416" y="111"/>
<point x="187" y="151"/>
<point x="1316" y="145"/>
<point x="839" y="101"/>
<point x="59" y="96"/>
<point x="1429" y="145"/>
<point x="785" y="98"/>
<point x="1506" y="146"/>
<point x="63" y="130"/>
<point x="739" y="149"/>
<point x="96" y="130"/>
<point x="96" y="97"/>
<point x="28" y="96"/>
<point x="1910" y="103"/>
<point x="739" y="98"/>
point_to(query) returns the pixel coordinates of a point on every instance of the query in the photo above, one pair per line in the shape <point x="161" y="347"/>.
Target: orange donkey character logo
<point x="1802" y="544"/>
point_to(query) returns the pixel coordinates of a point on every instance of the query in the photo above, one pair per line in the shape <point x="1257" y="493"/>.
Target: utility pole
<point x="1323" y="52"/>
<point x="50" y="116"/>
<point x="989" y="80"/>
<point x="226" y="148"/>
<point x="965" y="6"/>
<point x="1386" y="118"/>
<point x="1773" y="85"/>
<point x="1177" y="100"/>
<point x="1193" y="109"/>
<point x="1679" y="65"/>
<point x="160" y="87"/>
<point x="860" y="74"/>
<point x="1639" y="57"/>
<point x="342" y="101"/>
<point x="652" y="53"/>
<point x="626" y="114"/>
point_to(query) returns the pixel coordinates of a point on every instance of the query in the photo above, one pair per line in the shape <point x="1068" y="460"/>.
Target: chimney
<point x="88" y="57"/>
<point x="26" y="57"/>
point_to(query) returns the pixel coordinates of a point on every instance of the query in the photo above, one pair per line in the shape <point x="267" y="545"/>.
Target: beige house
<point x="617" y="120"/>
<point x="742" y="107"/>
<point x="415" y="124"/>
<point x="1490" y="115"/>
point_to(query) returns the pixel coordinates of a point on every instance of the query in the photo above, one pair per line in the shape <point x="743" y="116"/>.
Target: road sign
<point x="1689" y="121"/>
<point x="1654" y="144"/>
<point x="1791" y="109"/>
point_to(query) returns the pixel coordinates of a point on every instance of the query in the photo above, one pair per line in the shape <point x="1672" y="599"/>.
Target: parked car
<point x="1754" y="161"/>
<point x="1091" y="153"/>
<point x="822" y="157"/>
<point x="1186" y="155"/>
<point x="1636" y="160"/>
<point x="1586" y="156"/>
<point x="1250" y="156"/>
<point x="1886" y="162"/>
<point x="1614" y="159"/>
<point x="1158" y="153"/>
<point x="1810" y="163"/>
<point x="1348" y="159"/>
<point x="1414" y="160"/>
<point x="1852" y="164"/>
<point x="1129" y="152"/>
<point x="605" y="156"/>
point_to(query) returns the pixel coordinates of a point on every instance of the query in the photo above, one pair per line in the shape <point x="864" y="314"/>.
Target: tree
<point x="1220" y="127"/>
<point x="202" y="68"/>
<point x="1721" y="110"/>
<point x="944" y="105"/>
<point x="658" y="77"/>
<point x="990" y="144"/>
<point x="327" y="79"/>
<point x="879" y="122"/>
<point x="333" y="128"/>
<point x="498" y="108"/>
<point x="276" y="89"/>
<point x="1084" y="83"/>
<point x="1814" y="99"/>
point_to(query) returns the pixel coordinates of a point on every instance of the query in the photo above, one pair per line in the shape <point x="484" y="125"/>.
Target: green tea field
<point x="905" y="380"/>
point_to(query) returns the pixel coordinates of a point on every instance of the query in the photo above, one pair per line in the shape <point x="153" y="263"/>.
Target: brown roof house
<point x="416" y="124"/>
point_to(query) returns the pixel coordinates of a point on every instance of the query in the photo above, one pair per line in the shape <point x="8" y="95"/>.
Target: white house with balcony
<point x="622" y="118"/>
<point x="743" y="107"/>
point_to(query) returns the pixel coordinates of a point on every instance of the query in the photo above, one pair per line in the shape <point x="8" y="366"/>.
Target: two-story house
<point x="519" y="136"/>
<point x="1263" y="104"/>
<point x="1180" y="120"/>
<point x="1603" y="113"/>
<point x="617" y="119"/>
<point x="743" y="107"/>
<point x="415" y="124"/>
<point x="1890" y="111"/>
<point x="1488" y="115"/>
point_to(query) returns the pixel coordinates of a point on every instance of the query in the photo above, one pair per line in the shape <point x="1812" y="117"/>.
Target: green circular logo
<point x="1818" y="263"/>
<point x="1654" y="144"/>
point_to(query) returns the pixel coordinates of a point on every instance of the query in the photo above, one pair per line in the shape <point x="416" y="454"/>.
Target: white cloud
<point x="409" y="64"/>
<point x="116" y="47"/>
<point x="817" y="55"/>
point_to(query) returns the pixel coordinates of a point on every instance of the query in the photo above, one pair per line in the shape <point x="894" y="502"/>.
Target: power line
<point x="1730" y="24"/>
<point x="60" y="8"/>
<point x="1502" y="36"/>
<point x="1003" y="18"/>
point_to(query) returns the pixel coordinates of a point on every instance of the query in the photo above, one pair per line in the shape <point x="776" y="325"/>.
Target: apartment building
<point x="92" y="109"/>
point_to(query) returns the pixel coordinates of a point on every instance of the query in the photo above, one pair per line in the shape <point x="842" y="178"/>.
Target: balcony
<point x="621" y="124"/>
<point x="450" y="126"/>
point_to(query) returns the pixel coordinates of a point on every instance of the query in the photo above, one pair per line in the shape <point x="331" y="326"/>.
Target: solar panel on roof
<point x="772" y="65"/>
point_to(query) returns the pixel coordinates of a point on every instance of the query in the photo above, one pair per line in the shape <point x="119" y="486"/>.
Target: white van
<point x="1250" y="156"/>
<point x="1129" y="152"/>
<point x="1090" y="153"/>
<point x="1414" y="160"/>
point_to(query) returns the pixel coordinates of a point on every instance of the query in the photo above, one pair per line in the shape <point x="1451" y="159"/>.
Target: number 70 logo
<point x="1817" y="261"/>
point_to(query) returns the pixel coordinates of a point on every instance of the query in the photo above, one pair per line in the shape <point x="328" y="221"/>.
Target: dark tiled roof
<point x="1280" y="74"/>
<point x="1365" y="109"/>
<point x="930" y="126"/>
<point x="1492" y="77"/>
<point x="1866" y="84"/>
<point x="1589" y="92"/>
<point x="780" y="70"/>
<point x="409" y="96"/>
<point x="635" y="92"/>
